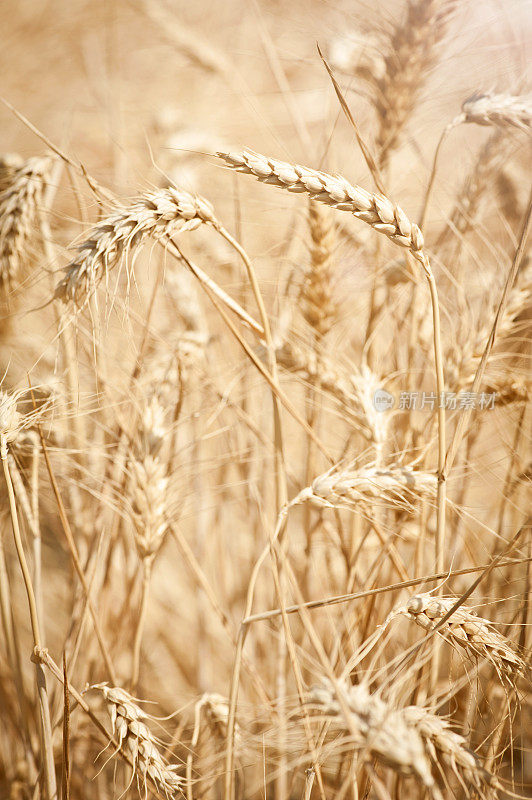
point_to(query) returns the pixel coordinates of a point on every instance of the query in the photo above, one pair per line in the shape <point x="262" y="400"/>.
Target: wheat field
<point x="265" y="343"/>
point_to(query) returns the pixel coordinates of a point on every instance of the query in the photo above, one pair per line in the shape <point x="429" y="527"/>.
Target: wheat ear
<point x="503" y="110"/>
<point x="409" y="739"/>
<point x="411" y="54"/>
<point x="20" y="198"/>
<point x="162" y="213"/>
<point x="128" y="724"/>
<point x="464" y="628"/>
<point x="333" y="190"/>
<point x="318" y="306"/>
<point x="377" y="729"/>
<point x="394" y="485"/>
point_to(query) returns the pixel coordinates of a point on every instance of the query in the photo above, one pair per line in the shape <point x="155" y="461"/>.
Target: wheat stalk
<point x="137" y="741"/>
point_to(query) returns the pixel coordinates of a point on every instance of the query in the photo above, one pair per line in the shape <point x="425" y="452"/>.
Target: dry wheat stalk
<point x="411" y="54"/>
<point x="319" y="308"/>
<point x="504" y="110"/>
<point x="399" y="486"/>
<point x="465" y="628"/>
<point x="138" y="742"/>
<point x="23" y="186"/>
<point x="378" y="729"/>
<point x="161" y="213"/>
<point x="333" y="190"/>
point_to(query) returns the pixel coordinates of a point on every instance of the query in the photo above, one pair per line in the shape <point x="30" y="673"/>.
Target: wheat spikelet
<point x="394" y="485"/>
<point x="23" y="186"/>
<point x="161" y="213"/>
<point x="216" y="708"/>
<point x="411" y="54"/>
<point x="10" y="418"/>
<point x="137" y="741"/>
<point x="181" y="289"/>
<point x="465" y="628"/>
<point x="319" y="308"/>
<point x="152" y="428"/>
<point x="380" y="730"/>
<point x="333" y="190"/>
<point x="503" y="110"/>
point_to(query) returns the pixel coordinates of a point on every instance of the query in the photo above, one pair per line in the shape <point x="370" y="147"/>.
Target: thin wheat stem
<point x="46" y="728"/>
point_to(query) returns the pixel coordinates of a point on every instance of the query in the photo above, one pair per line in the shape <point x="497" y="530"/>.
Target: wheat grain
<point x="333" y="190"/>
